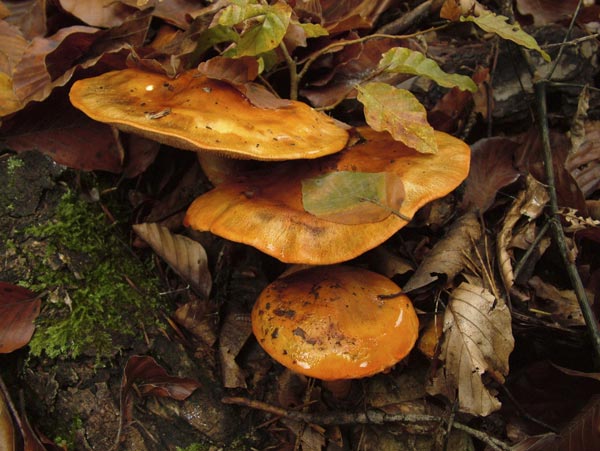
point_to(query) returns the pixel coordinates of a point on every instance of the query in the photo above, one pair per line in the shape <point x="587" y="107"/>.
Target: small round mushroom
<point x="335" y="322"/>
<point x="264" y="208"/>
<point x="196" y="113"/>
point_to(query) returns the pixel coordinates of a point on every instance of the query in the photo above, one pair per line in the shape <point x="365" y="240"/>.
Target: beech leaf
<point x="405" y="61"/>
<point x="186" y="256"/>
<point x="269" y="25"/>
<point x="492" y="23"/>
<point x="398" y="112"/>
<point x="348" y="197"/>
<point x="477" y="339"/>
<point x="19" y="308"/>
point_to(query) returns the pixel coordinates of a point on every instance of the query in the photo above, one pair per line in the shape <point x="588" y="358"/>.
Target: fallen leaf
<point x="544" y="12"/>
<point x="398" y="112"/>
<point x="19" y="308"/>
<point x="7" y="430"/>
<point x="142" y="374"/>
<point x="348" y="197"/>
<point x="352" y="14"/>
<point x="530" y="204"/>
<point x="98" y="13"/>
<point x="184" y="255"/>
<point x="583" y="162"/>
<point x="235" y="331"/>
<point x="562" y="305"/>
<point x="495" y="23"/>
<point x="491" y="169"/>
<point x="477" y="340"/>
<point x="450" y="255"/>
<point x="199" y="317"/>
<point x="236" y="71"/>
<point x="406" y="61"/>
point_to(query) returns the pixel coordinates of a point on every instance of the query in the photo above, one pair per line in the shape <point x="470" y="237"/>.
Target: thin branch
<point x="368" y="416"/>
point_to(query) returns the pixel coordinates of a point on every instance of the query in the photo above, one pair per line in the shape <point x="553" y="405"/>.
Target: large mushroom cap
<point x="332" y="323"/>
<point x="196" y="113"/>
<point x="265" y="210"/>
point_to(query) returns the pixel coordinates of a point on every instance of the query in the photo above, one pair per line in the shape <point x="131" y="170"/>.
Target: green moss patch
<point x="99" y="294"/>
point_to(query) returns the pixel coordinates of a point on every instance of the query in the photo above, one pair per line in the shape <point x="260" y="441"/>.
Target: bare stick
<point x="368" y="416"/>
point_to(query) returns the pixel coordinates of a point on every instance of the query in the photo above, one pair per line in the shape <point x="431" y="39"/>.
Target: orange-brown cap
<point x="196" y="113"/>
<point x="332" y="322"/>
<point x="265" y="210"/>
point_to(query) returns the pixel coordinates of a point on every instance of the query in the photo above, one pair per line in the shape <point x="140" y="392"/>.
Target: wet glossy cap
<point x="264" y="209"/>
<point x="196" y="113"/>
<point x="331" y="323"/>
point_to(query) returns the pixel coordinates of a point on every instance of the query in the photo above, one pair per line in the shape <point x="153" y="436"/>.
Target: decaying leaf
<point x="491" y="169"/>
<point x="528" y="204"/>
<point x="449" y="255"/>
<point x="235" y="331"/>
<point x="407" y="61"/>
<point x="19" y="308"/>
<point x="561" y="305"/>
<point x="186" y="256"/>
<point x="583" y="162"/>
<point x="398" y="112"/>
<point x="349" y="197"/>
<point x="477" y="340"/>
<point x="198" y="316"/>
<point x="7" y="430"/>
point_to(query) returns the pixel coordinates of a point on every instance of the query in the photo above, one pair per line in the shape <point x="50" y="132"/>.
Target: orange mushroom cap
<point x="264" y="209"/>
<point x="331" y="322"/>
<point x="193" y="112"/>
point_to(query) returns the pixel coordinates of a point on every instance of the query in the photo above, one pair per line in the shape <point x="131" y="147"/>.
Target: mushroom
<point x="264" y="208"/>
<point x="196" y="113"/>
<point x="335" y="322"/>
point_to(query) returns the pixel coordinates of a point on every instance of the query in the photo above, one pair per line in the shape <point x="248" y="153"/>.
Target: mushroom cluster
<point x="331" y="321"/>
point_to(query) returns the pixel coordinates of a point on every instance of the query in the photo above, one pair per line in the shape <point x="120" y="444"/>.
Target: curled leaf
<point x="348" y="197"/>
<point x="406" y="61"/>
<point x="398" y="112"/>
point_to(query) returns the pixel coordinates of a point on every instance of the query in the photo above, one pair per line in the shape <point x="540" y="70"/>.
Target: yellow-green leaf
<point x="213" y="36"/>
<point x="347" y="197"/>
<point x="266" y="27"/>
<point x="492" y="23"/>
<point x="313" y="30"/>
<point x="398" y="112"/>
<point x="406" y="61"/>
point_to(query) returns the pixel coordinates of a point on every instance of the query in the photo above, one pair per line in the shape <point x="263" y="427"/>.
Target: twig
<point x="521" y="263"/>
<point x="368" y="416"/>
<point x="558" y="233"/>
<point x="405" y="21"/>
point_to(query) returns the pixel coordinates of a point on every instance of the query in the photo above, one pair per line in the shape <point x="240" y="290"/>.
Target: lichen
<point x="97" y="290"/>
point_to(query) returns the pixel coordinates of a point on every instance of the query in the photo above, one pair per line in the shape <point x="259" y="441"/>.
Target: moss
<point x="98" y="290"/>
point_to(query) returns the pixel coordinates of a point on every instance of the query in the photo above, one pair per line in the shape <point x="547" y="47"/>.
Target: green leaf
<point x="266" y="27"/>
<point x="347" y="197"/>
<point x="313" y="30"/>
<point x="490" y="22"/>
<point x="213" y="36"/>
<point x="406" y="61"/>
<point x="399" y="112"/>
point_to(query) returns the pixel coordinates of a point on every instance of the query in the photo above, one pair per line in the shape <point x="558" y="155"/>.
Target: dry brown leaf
<point x="235" y="331"/>
<point x="477" y="340"/>
<point x="529" y="203"/>
<point x="583" y="161"/>
<point x="491" y="170"/>
<point x="19" y="308"/>
<point x="186" y="256"/>
<point x="562" y="305"/>
<point x="198" y="317"/>
<point x="7" y="430"/>
<point x="544" y="12"/>
<point x="98" y="13"/>
<point x="449" y="255"/>
<point x="29" y="16"/>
